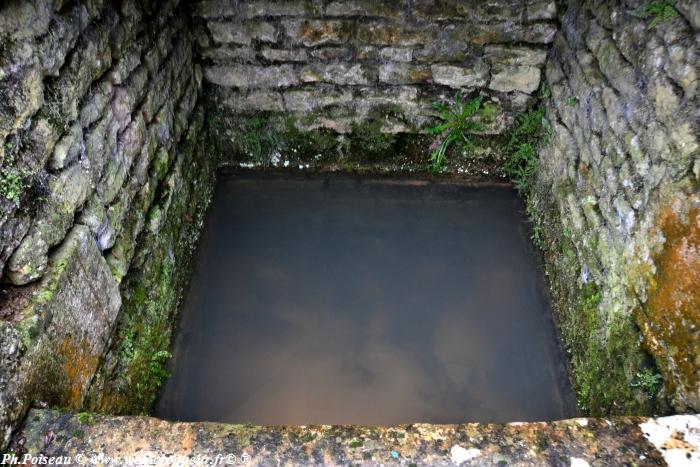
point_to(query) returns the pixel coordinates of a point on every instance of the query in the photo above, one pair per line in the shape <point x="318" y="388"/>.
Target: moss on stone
<point x="603" y="344"/>
<point x="670" y="320"/>
<point x="368" y="142"/>
<point x="136" y="364"/>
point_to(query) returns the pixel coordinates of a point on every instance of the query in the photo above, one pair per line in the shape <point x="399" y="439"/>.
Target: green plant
<point x="257" y="139"/>
<point x="12" y="184"/>
<point x="157" y="366"/>
<point x="145" y="337"/>
<point x="457" y="121"/>
<point x="368" y="140"/>
<point x="356" y="443"/>
<point x="488" y="112"/>
<point x="530" y="131"/>
<point x="12" y="179"/>
<point x="537" y="232"/>
<point x="86" y="418"/>
<point x="537" y="235"/>
<point x="658" y="11"/>
<point x="649" y="381"/>
<point x="304" y="144"/>
<point x="571" y="101"/>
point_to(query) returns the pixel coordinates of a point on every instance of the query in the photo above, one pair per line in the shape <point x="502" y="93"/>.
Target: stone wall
<point x="336" y="65"/>
<point x="98" y="153"/>
<point x="107" y="165"/>
<point x="618" y="189"/>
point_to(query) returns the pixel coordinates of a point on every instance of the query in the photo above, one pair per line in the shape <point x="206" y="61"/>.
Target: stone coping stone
<point x="139" y="440"/>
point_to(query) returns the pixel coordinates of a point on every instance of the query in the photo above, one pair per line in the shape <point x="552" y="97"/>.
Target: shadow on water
<point x="339" y="300"/>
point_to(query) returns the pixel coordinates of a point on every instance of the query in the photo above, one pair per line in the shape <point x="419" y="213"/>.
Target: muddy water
<point x="367" y="302"/>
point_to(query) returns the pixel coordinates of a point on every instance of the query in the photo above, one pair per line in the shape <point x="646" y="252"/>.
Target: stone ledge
<point x="617" y="441"/>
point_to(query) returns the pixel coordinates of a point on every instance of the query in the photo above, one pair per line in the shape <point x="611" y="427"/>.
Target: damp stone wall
<point x="102" y="185"/>
<point x="364" y="68"/>
<point x="618" y="192"/>
<point x="115" y="114"/>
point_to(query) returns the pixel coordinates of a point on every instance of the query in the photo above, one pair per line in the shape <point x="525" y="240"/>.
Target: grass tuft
<point x="457" y="121"/>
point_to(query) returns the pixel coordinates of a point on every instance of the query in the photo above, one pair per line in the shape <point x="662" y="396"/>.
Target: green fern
<point x="659" y="11"/>
<point x="457" y="121"/>
<point x="531" y="130"/>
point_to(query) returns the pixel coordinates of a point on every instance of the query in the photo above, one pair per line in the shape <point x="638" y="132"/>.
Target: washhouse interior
<point x="371" y="302"/>
<point x="384" y="216"/>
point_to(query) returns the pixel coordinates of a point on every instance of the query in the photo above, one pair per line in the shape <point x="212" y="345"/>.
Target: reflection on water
<point x="346" y="301"/>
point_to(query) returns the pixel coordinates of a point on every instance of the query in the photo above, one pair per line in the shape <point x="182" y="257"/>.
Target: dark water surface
<point x="367" y="302"/>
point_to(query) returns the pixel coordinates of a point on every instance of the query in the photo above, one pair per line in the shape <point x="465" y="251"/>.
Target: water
<point x="367" y="302"/>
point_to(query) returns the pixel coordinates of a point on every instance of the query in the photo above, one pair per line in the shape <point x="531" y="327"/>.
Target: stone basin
<point x="579" y="442"/>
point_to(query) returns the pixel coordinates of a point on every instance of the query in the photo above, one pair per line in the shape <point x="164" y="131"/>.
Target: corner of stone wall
<point x="103" y="179"/>
<point x="618" y="187"/>
<point x="350" y="85"/>
<point x="135" y="364"/>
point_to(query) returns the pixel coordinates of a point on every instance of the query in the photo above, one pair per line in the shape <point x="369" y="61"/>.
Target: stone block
<point x="390" y="9"/>
<point x="461" y="77"/>
<point x="340" y="73"/>
<point x="404" y="73"/>
<point x="514" y="55"/>
<point x="68" y="148"/>
<point x="285" y="55"/>
<point x="227" y="53"/>
<point x="214" y="9"/>
<point x="515" y="78"/>
<point x="536" y="33"/>
<point x="79" y="305"/>
<point x="266" y="101"/>
<point x="396" y="54"/>
<point x="250" y="76"/>
<point x="332" y="53"/>
<point x="442" y="10"/>
<point x="242" y="33"/>
<point x="254" y="9"/>
<point x="541" y="10"/>
<point x="53" y="353"/>
<point x="380" y="33"/>
<point x="312" y="33"/>
<point x="316" y="97"/>
<point x="67" y="192"/>
<point x="371" y="100"/>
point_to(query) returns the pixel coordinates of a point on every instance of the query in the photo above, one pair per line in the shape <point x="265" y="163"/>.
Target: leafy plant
<point x="12" y="184"/>
<point x="304" y="143"/>
<point x="488" y="112"/>
<point x="571" y="101"/>
<point x="457" y="121"/>
<point x="368" y="140"/>
<point x="157" y="366"/>
<point x="356" y="443"/>
<point x="530" y="131"/>
<point x="257" y="139"/>
<point x="649" y="381"/>
<point x="659" y="11"/>
<point x="86" y="418"/>
<point x="537" y="233"/>
<point x="12" y="179"/>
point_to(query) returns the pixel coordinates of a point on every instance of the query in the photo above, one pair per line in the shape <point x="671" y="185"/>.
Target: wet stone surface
<point x="346" y="300"/>
<point x="95" y="439"/>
